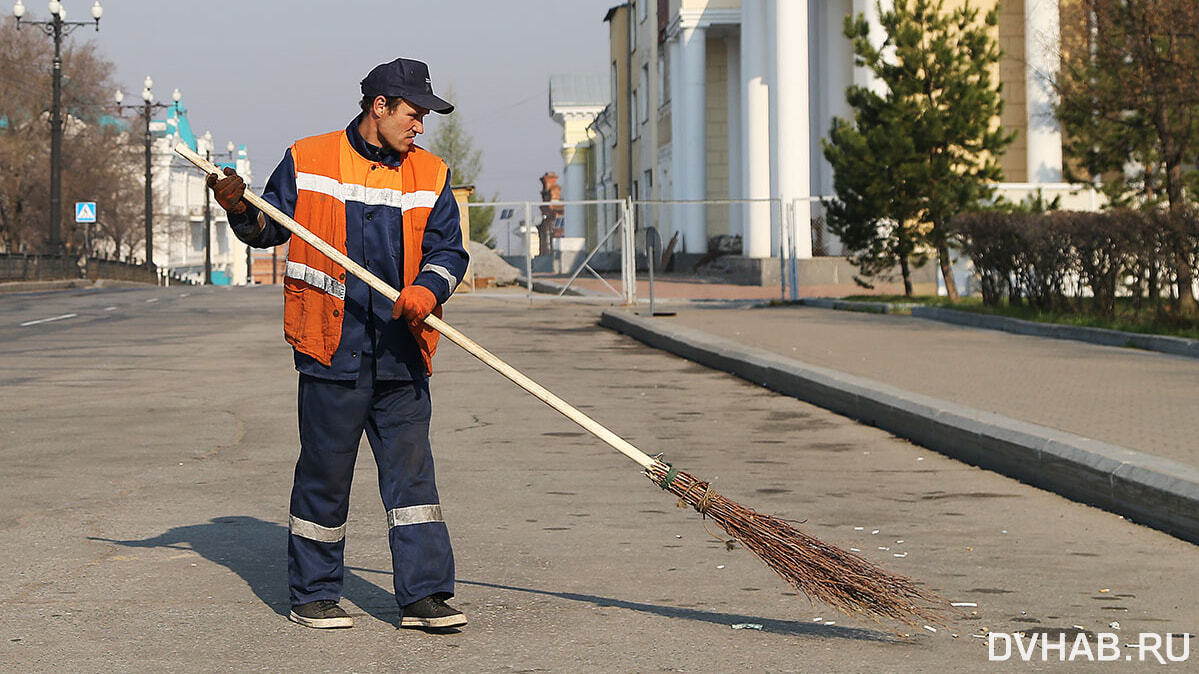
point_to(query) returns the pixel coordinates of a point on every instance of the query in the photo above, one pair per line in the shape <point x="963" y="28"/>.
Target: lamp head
<point x="119" y="96"/>
<point x="97" y="11"/>
<point x="18" y="10"/>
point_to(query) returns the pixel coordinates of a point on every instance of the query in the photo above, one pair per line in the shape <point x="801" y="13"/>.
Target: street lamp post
<point x="57" y="28"/>
<point x="209" y="155"/>
<point x="146" y="109"/>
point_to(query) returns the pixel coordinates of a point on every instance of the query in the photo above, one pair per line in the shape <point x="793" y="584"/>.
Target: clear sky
<point x="266" y="72"/>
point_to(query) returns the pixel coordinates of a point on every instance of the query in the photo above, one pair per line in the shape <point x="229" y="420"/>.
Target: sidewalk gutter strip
<point x="1178" y="346"/>
<point x="1150" y="490"/>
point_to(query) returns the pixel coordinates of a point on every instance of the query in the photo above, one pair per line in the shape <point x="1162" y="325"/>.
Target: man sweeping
<point x="364" y="362"/>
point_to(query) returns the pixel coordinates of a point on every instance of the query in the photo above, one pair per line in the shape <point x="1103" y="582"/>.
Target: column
<point x="693" y="110"/>
<point x="831" y="56"/>
<point x="1042" y="43"/>
<point x="574" y="163"/>
<point x="790" y="99"/>
<point x="678" y="149"/>
<point x="755" y="130"/>
<point x="733" y="63"/>
<point x="772" y="81"/>
<point x="862" y="76"/>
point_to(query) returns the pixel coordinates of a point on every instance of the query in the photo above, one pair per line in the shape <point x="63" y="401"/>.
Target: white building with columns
<point x="729" y="100"/>
<point x="575" y="101"/>
<point x="179" y="191"/>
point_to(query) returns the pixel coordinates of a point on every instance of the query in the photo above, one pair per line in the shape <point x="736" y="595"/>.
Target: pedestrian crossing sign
<point x="85" y="211"/>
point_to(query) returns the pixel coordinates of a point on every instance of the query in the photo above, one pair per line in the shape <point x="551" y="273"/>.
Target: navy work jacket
<point x="374" y="239"/>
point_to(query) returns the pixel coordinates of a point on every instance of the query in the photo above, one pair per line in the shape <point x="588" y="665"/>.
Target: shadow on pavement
<point x="256" y="551"/>
<point x="789" y="627"/>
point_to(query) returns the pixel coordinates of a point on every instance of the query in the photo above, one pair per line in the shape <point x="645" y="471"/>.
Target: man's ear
<point x="379" y="106"/>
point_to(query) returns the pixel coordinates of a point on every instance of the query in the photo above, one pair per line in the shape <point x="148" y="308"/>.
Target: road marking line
<point x="110" y="308"/>
<point x="47" y="320"/>
<point x="152" y="299"/>
<point x="184" y="294"/>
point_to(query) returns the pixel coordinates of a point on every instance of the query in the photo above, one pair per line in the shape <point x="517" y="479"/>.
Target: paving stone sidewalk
<point x="1140" y="400"/>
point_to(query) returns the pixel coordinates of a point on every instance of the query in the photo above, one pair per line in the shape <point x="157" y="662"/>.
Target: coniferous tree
<point x="877" y="206"/>
<point x="454" y="144"/>
<point x="926" y="149"/>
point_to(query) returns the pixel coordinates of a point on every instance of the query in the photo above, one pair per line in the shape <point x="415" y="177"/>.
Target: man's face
<point x="398" y="128"/>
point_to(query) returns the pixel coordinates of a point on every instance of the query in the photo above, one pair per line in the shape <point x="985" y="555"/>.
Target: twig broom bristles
<point x="820" y="571"/>
<point x="823" y="572"/>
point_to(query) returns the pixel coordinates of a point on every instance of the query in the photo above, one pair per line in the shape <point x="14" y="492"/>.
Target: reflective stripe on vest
<point x="316" y="279"/>
<point x="371" y="196"/>
<point x="329" y="173"/>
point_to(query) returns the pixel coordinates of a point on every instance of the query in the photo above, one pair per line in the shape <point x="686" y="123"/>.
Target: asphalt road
<point x="147" y="443"/>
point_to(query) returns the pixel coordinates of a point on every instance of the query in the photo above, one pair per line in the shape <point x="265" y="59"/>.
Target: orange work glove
<point x="414" y="304"/>
<point x="228" y="191"/>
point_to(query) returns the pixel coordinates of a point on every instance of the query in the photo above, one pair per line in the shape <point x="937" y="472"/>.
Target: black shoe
<point x="320" y="614"/>
<point x="432" y="611"/>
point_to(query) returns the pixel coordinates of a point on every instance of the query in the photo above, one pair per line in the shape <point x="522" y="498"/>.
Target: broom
<point x="821" y="571"/>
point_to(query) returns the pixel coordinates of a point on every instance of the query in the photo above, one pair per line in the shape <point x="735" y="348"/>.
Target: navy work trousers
<point x="395" y="416"/>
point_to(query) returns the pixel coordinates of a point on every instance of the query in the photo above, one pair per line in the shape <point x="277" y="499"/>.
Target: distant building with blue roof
<point x="179" y="191"/>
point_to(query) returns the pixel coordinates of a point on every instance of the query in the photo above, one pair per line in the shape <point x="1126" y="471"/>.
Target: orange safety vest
<point x="330" y="172"/>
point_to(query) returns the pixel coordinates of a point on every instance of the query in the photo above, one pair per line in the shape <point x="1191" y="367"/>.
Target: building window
<point x="633" y="125"/>
<point x="612" y="85"/>
<point x="663" y="79"/>
<point x="632" y="30"/>
<point x="645" y="93"/>
<point x="615" y="106"/>
<point x="642" y="9"/>
<point x="647" y="179"/>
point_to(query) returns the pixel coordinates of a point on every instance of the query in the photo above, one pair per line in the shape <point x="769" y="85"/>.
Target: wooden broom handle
<point x="516" y="376"/>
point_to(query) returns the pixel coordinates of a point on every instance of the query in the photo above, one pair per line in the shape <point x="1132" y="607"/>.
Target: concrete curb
<point x="864" y="307"/>
<point x="67" y="284"/>
<point x="39" y="286"/>
<point x="1158" y="492"/>
<point x="550" y="288"/>
<point x="1178" y="346"/>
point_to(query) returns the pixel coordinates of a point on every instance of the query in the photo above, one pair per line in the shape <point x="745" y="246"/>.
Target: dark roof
<point x="611" y="11"/>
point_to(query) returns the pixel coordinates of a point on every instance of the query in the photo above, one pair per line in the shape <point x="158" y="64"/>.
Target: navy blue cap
<point x="406" y="79"/>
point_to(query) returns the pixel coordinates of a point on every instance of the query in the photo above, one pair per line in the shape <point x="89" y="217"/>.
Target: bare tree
<point x="1130" y="106"/>
<point x="97" y="161"/>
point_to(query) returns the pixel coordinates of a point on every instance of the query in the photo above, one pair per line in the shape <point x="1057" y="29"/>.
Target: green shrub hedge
<point x="1054" y="260"/>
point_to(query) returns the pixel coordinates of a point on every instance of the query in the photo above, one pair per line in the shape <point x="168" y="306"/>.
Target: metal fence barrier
<point x="586" y="239"/>
<point x="18" y="267"/>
